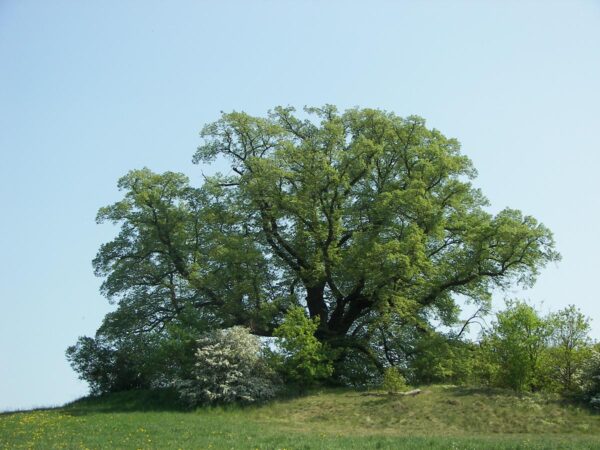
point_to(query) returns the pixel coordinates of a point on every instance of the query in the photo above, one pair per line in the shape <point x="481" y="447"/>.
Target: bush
<point x="517" y="342"/>
<point x="303" y="358"/>
<point x="485" y="368"/>
<point x="393" y="381"/>
<point x="354" y="368"/>
<point x="570" y="348"/>
<point x="229" y="368"/>
<point x="119" y="358"/>
<point x="590" y="380"/>
<point x="441" y="359"/>
<point x="111" y="367"/>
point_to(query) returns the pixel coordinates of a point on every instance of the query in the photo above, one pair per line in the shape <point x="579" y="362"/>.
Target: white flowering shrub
<point x="229" y="368"/>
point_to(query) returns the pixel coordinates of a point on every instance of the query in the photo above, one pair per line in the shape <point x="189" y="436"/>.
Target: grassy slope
<point x="441" y="417"/>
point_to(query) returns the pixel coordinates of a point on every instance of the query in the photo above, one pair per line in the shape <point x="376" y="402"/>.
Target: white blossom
<point x="228" y="369"/>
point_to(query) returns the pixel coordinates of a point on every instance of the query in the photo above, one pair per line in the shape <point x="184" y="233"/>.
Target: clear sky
<point x="91" y="90"/>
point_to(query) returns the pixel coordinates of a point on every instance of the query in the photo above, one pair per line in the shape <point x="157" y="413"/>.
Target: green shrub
<point x="109" y="366"/>
<point x="439" y="358"/>
<point x="303" y="359"/>
<point x="116" y="360"/>
<point x="517" y="342"/>
<point x="590" y="379"/>
<point x="393" y="381"/>
<point x="570" y="349"/>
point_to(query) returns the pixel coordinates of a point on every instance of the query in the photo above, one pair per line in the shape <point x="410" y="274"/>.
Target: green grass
<point x="440" y="418"/>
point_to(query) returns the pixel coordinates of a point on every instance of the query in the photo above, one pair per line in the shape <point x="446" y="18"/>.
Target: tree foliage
<point x="362" y="218"/>
<point x="569" y="341"/>
<point x="393" y="381"/>
<point x="304" y="359"/>
<point x="591" y="379"/>
<point x="518" y="340"/>
<point x="439" y="358"/>
<point x="117" y="360"/>
<point x="527" y="351"/>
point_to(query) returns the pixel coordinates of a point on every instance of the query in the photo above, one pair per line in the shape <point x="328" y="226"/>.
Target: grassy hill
<point x="441" y="417"/>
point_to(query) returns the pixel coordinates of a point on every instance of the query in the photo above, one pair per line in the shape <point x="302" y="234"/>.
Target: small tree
<point x="304" y="359"/>
<point x="570" y="347"/>
<point x="517" y="341"/>
<point x="229" y="368"/>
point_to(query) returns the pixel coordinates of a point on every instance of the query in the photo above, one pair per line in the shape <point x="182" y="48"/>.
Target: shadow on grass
<point x="128" y="401"/>
<point x="468" y="391"/>
<point x="159" y="400"/>
<point x="463" y="391"/>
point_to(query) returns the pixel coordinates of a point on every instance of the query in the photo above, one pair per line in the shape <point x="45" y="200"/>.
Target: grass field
<point x="440" y="418"/>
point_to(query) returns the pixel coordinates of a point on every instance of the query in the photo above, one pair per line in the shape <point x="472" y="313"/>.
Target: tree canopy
<point x="367" y="220"/>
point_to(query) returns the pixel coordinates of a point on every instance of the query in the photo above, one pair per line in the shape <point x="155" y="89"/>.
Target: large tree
<point x="363" y="218"/>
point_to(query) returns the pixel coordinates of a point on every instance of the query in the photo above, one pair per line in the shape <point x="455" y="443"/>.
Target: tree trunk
<point x="316" y="303"/>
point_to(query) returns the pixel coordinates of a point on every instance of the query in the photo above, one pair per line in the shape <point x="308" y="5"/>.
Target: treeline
<point x="520" y="349"/>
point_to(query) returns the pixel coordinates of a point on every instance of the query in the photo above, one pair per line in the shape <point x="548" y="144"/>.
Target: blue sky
<point x="91" y="90"/>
